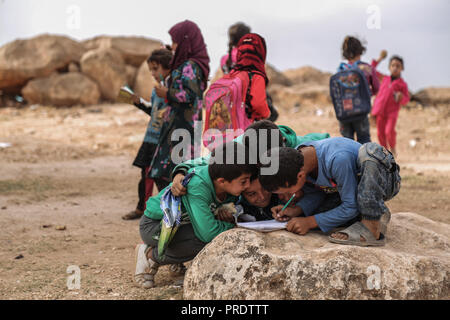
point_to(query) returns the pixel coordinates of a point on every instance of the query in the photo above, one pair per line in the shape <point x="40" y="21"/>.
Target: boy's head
<point x="396" y="66"/>
<point x="230" y="169"/>
<point x="290" y="177"/>
<point x="159" y="64"/>
<point x="352" y="48"/>
<point x="256" y="195"/>
<point x="256" y="132"/>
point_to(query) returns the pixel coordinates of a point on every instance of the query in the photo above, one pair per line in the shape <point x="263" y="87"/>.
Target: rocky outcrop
<point x="432" y="96"/>
<point x="134" y="50"/>
<point x="307" y="75"/>
<point x="243" y="264"/>
<point x="66" y="89"/>
<point x="22" y="60"/>
<point x="300" y="95"/>
<point x="107" y="68"/>
<point x="276" y="77"/>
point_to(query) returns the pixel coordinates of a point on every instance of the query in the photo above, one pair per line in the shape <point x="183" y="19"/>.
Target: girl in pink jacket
<point x="392" y="95"/>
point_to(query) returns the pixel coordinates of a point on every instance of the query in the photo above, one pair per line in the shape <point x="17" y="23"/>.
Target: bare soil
<point x="73" y="168"/>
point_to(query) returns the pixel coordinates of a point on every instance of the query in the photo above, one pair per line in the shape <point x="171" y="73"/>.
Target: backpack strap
<point x="248" y="97"/>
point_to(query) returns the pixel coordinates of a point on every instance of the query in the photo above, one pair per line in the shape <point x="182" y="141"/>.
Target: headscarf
<point x="252" y="54"/>
<point x="191" y="46"/>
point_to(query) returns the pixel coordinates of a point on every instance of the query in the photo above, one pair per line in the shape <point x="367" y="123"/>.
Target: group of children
<point x="336" y="185"/>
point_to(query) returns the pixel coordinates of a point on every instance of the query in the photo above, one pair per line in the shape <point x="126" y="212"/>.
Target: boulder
<point x="276" y="77"/>
<point x="432" y="96"/>
<point x="22" y="60"/>
<point x="244" y="264"/>
<point x="307" y="75"/>
<point x="131" y="75"/>
<point x="144" y="82"/>
<point x="107" y="68"/>
<point x="65" y="89"/>
<point x="134" y="50"/>
<point x="303" y="95"/>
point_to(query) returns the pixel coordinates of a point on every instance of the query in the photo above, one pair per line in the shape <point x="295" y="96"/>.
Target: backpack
<point x="228" y="110"/>
<point x="350" y="93"/>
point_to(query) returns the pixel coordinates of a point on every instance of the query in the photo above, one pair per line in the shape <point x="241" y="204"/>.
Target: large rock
<point x="144" y="82"/>
<point x="276" y="77"/>
<point x="134" y="50"/>
<point x="243" y="264"/>
<point x="22" y="60"/>
<point x="107" y="68"/>
<point x="62" y="90"/>
<point x="303" y="95"/>
<point x="432" y="96"/>
<point x="307" y="75"/>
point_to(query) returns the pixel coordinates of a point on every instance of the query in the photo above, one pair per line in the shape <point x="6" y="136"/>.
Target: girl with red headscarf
<point x="251" y="59"/>
<point x="189" y="72"/>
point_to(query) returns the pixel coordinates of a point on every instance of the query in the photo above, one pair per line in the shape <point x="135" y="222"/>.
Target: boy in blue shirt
<point x="365" y="176"/>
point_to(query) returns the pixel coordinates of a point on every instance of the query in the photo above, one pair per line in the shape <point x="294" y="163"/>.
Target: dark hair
<point x="352" y="47"/>
<point x="221" y="166"/>
<point x="398" y="58"/>
<point x="162" y="57"/>
<point x="258" y="129"/>
<point x="291" y="161"/>
<point x="235" y="33"/>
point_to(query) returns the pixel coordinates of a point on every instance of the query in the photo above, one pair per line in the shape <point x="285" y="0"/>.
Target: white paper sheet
<point x="263" y="226"/>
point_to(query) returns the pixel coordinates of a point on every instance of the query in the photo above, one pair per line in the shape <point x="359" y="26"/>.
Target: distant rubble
<point x="36" y="71"/>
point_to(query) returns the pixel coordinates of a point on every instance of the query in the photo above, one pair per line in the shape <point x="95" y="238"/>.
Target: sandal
<point x="355" y="232"/>
<point x="133" y="215"/>
<point x="384" y="221"/>
<point x="177" y="269"/>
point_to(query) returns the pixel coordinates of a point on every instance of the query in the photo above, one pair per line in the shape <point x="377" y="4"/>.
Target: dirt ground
<point x="72" y="168"/>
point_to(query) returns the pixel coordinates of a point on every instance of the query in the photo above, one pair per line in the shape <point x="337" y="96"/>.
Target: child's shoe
<point x="145" y="269"/>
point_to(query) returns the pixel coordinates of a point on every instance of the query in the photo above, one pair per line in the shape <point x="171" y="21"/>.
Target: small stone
<point x="20" y="256"/>
<point x="60" y="228"/>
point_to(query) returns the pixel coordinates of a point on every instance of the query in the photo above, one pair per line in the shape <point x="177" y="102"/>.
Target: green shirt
<point x="198" y="206"/>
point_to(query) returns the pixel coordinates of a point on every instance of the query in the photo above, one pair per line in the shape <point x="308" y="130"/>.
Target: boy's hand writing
<point x="135" y="99"/>
<point x="301" y="225"/>
<point x="287" y="214"/>
<point x="177" y="188"/>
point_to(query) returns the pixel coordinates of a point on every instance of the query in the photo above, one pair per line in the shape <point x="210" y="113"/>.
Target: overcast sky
<point x="297" y="32"/>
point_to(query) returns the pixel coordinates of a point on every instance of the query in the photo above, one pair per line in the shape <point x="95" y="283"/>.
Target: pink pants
<point x="386" y="130"/>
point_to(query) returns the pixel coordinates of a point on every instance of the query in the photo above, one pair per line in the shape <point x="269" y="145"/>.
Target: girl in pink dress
<point x="392" y="95"/>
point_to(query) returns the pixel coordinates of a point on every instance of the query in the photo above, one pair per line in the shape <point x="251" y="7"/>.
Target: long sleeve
<point x="343" y="173"/>
<point x="404" y="90"/>
<point x="260" y="108"/>
<point x="185" y="85"/>
<point x="197" y="203"/>
<point x="375" y="83"/>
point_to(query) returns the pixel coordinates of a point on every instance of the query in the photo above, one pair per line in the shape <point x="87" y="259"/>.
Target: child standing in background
<point x="352" y="49"/>
<point x="235" y="33"/>
<point x="159" y="65"/>
<point x="189" y="72"/>
<point x="392" y="95"/>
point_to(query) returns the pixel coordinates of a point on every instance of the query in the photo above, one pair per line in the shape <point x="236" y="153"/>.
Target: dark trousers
<point x="145" y="188"/>
<point x="360" y="127"/>
<point x="183" y="247"/>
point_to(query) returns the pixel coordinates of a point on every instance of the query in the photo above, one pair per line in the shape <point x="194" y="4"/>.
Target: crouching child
<point x="365" y="176"/>
<point x="220" y="182"/>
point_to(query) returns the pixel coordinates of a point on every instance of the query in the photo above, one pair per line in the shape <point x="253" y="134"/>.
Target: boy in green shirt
<point x="212" y="186"/>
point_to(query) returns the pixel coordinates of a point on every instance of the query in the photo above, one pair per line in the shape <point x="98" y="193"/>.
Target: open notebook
<point x="263" y="226"/>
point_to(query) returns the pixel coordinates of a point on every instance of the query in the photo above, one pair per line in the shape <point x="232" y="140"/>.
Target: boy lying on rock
<point x="365" y="176"/>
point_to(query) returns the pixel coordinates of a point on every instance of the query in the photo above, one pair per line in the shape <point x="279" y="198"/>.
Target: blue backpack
<point x="350" y="93"/>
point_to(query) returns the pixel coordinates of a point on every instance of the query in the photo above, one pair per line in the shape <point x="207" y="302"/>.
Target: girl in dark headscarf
<point x="188" y="81"/>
